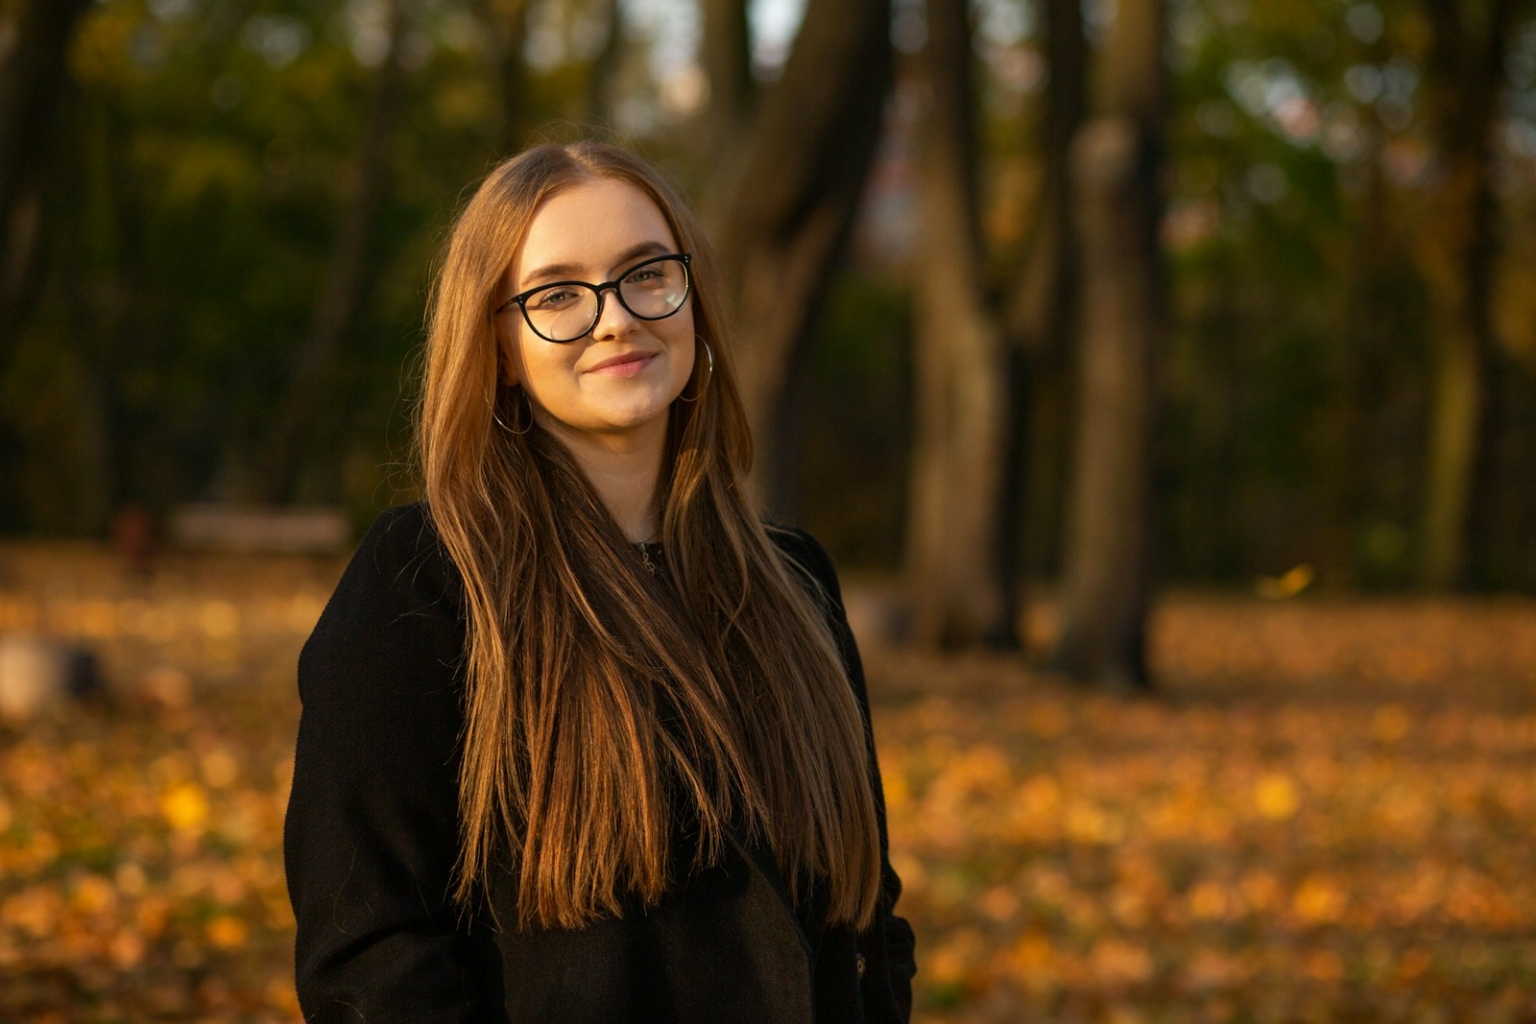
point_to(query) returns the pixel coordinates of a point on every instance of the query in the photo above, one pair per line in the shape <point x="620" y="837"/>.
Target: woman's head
<point x="603" y="709"/>
<point x="583" y="212"/>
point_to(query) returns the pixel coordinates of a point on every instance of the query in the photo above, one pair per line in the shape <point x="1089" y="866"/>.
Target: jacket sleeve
<point x="371" y="836"/>
<point x="896" y="940"/>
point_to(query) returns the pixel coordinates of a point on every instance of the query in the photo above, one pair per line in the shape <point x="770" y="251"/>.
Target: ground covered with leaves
<point x="1329" y="814"/>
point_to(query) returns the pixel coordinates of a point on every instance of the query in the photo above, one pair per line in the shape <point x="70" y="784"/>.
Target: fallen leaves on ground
<point x="1327" y="814"/>
<point x="141" y="872"/>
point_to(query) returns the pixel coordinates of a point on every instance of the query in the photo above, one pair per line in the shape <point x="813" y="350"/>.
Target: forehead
<point x="589" y="225"/>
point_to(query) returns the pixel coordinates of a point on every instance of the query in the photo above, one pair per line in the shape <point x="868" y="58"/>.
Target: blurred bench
<point x="261" y="529"/>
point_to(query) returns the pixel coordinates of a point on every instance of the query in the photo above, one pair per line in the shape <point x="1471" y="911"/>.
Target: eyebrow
<point x="565" y="270"/>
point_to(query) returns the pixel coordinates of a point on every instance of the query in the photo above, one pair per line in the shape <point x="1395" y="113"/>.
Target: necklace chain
<point x="644" y="548"/>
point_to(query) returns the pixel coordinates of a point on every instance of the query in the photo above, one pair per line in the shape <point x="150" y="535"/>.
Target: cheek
<point x="686" y="340"/>
<point x="546" y="369"/>
<point x="510" y="353"/>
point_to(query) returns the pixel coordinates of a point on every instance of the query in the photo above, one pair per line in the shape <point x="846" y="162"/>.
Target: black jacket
<point x="372" y="831"/>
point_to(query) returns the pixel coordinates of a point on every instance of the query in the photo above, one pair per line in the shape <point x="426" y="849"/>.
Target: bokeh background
<point x="1161" y="373"/>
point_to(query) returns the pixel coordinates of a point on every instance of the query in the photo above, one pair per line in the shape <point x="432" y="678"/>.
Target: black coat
<point x="372" y="834"/>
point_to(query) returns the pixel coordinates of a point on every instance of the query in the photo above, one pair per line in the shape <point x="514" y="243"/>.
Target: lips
<point x="626" y="364"/>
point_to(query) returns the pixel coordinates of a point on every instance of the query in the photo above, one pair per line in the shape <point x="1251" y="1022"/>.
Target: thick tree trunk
<point x="787" y="211"/>
<point x="1038" y="317"/>
<point x="1364" y="341"/>
<point x="32" y="79"/>
<point x="1107" y="577"/>
<point x="506" y="24"/>
<point x="1040" y="310"/>
<point x="343" y="285"/>
<point x="961" y="379"/>
<point x="727" y="58"/>
<point x="1467" y="69"/>
<point x="1454" y="442"/>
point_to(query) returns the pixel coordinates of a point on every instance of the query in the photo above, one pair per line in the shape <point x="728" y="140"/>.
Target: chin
<point x="635" y="410"/>
<point x="628" y="418"/>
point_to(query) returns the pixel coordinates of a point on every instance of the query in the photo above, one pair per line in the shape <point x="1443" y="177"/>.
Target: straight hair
<point x="607" y="714"/>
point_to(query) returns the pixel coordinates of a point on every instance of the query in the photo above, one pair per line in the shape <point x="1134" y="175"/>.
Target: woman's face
<point x="620" y="379"/>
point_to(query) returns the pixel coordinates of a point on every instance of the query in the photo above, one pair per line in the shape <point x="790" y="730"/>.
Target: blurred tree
<point x="783" y="209"/>
<point x="605" y="64"/>
<point x="1116" y="163"/>
<point x="344" y="280"/>
<point x="960" y="384"/>
<point x="727" y="59"/>
<point x="1038" y="312"/>
<point x="32" y="80"/>
<point x="1365" y="343"/>
<point x="505" y="23"/>
<point x="1467" y="75"/>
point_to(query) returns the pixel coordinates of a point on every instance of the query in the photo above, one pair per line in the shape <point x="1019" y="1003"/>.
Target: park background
<point x="1161" y="374"/>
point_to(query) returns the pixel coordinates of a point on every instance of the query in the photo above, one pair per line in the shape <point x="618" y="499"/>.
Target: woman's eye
<point x="555" y="298"/>
<point x="645" y="275"/>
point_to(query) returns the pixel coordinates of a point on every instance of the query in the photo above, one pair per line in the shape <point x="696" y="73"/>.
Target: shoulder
<point x="401" y="560"/>
<point x="805" y="553"/>
<point x="398" y="600"/>
<point x="402" y="548"/>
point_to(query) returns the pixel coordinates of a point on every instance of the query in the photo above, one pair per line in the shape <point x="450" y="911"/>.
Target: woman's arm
<point x="898" y="940"/>
<point x="371" y="832"/>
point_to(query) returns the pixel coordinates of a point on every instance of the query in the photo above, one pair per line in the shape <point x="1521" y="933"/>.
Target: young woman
<point x="582" y="738"/>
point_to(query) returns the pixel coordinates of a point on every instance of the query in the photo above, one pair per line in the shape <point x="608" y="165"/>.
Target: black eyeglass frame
<point x="521" y="298"/>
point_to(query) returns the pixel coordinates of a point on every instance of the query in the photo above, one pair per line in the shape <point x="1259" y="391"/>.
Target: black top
<point x="371" y="838"/>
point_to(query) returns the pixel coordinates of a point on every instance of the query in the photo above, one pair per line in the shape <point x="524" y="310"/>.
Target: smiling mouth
<point x="626" y="365"/>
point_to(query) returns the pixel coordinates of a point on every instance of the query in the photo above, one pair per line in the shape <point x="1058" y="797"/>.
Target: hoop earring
<point x="709" y="373"/>
<point x="527" y="426"/>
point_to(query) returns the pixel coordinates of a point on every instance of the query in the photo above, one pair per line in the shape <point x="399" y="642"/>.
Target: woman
<point x="583" y="740"/>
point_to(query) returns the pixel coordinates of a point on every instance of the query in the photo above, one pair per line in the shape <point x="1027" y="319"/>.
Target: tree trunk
<point x="1040" y="311"/>
<point x="600" y="76"/>
<point x="32" y="79"/>
<point x="788" y="211"/>
<point x="343" y="284"/>
<point x="101" y="236"/>
<point x="727" y="57"/>
<point x="506" y="23"/>
<point x="1107" y="574"/>
<point x="1467" y="71"/>
<point x="952" y="533"/>
<point x="1363" y="340"/>
<point x="1038" y="317"/>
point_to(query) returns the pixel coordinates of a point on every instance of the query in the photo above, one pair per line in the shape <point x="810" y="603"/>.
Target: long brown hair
<point x="606" y="714"/>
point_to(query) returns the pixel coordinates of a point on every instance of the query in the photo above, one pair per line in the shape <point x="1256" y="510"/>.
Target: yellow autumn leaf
<point x="1318" y="901"/>
<point x="227" y="932"/>
<point x="1276" y="797"/>
<point x="1288" y="584"/>
<point x="185" y="807"/>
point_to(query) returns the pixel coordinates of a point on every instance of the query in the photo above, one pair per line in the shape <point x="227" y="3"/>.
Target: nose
<point x="613" y="320"/>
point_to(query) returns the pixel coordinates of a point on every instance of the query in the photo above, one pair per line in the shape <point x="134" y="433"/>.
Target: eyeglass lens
<point x="651" y="291"/>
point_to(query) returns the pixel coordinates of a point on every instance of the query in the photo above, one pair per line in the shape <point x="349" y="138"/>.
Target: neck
<point x="623" y="469"/>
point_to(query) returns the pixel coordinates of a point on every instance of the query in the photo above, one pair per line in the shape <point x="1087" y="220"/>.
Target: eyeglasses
<point x="652" y="289"/>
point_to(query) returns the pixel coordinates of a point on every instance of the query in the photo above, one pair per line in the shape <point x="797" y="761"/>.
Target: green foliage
<point x="207" y="149"/>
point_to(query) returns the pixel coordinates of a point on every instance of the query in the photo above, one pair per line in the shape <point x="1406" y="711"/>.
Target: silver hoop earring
<point x="527" y="426"/>
<point x="709" y="373"/>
